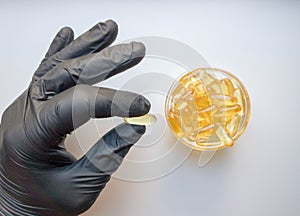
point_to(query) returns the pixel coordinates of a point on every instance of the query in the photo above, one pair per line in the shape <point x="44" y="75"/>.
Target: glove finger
<point x="88" y="69"/>
<point x="81" y="182"/>
<point x="107" y="154"/>
<point x="61" y="40"/>
<point x="75" y="106"/>
<point x="94" y="40"/>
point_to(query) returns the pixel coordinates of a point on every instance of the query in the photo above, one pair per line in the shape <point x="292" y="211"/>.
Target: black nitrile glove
<point x="37" y="175"/>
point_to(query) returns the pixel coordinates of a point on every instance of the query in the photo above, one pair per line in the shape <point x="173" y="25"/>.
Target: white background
<point x="256" y="40"/>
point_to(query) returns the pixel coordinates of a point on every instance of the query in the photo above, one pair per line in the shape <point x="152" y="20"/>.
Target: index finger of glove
<point x="75" y="106"/>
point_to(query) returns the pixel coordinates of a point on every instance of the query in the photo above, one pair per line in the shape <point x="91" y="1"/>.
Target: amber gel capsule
<point x="141" y="120"/>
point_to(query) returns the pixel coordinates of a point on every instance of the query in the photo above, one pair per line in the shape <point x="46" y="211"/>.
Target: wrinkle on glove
<point x="38" y="176"/>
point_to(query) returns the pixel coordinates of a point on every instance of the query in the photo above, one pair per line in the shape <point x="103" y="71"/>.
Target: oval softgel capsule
<point x="141" y="120"/>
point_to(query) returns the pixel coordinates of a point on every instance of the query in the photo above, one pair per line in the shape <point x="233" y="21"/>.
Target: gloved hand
<point x="38" y="176"/>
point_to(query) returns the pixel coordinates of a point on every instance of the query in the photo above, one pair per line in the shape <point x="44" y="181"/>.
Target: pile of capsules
<point x="206" y="110"/>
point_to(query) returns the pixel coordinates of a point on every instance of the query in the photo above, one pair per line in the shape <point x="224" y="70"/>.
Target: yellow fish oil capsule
<point x="175" y="122"/>
<point x="223" y="136"/>
<point x="240" y="100"/>
<point x="190" y="80"/>
<point x="227" y="86"/>
<point x="233" y="125"/>
<point x="223" y="100"/>
<point x="141" y="120"/>
<point x="215" y="88"/>
<point x="208" y="79"/>
<point x="227" y="111"/>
